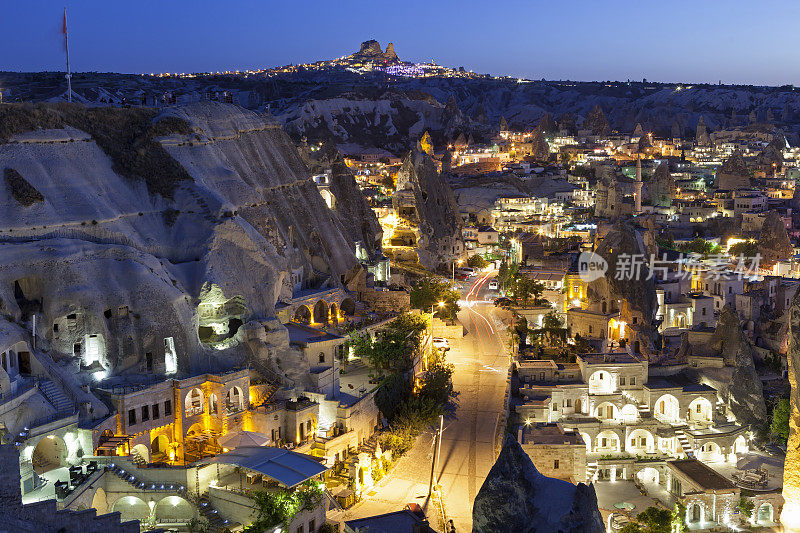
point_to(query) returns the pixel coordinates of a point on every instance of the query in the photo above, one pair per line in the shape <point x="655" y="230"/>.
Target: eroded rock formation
<point x="427" y="199"/>
<point x="122" y="272"/>
<point x="660" y="188"/>
<point x="517" y="498"/>
<point x="790" y="516"/>
<point x="596" y="122"/>
<point x="733" y="174"/>
<point x="773" y="241"/>
<point x="743" y="391"/>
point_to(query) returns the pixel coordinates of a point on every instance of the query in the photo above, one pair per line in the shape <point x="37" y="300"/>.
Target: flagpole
<point x="66" y="45"/>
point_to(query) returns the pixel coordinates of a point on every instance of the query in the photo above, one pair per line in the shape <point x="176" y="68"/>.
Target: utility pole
<point x="435" y="459"/>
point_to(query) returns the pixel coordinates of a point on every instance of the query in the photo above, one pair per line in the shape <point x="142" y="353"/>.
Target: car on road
<point x="493" y="285"/>
<point x="469" y="271"/>
<point x="502" y="301"/>
<point x="441" y="343"/>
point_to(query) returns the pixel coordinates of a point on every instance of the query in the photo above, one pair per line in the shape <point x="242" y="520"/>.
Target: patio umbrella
<point x="243" y="438"/>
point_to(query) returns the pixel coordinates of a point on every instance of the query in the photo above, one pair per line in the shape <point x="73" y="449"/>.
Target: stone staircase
<point x="216" y="524"/>
<point x="56" y="397"/>
<point x="684" y="442"/>
<point x="644" y="411"/>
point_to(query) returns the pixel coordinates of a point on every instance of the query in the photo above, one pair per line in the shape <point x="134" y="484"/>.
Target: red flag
<point x="64" y="29"/>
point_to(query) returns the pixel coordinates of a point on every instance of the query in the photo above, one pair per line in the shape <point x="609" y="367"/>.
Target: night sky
<point x="736" y="41"/>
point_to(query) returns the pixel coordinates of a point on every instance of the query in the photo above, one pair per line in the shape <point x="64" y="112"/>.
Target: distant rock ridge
<point x="371" y="50"/>
<point x="517" y="498"/>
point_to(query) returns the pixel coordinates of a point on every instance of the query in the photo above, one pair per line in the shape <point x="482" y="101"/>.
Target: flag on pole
<point x="64" y="30"/>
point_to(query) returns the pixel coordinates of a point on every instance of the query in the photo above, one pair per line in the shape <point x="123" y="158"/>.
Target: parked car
<point x="441" y="343"/>
<point x="502" y="301"/>
<point x="469" y="271"/>
<point x="416" y="509"/>
<point x="493" y="285"/>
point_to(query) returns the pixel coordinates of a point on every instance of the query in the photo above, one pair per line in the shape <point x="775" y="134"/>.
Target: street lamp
<point x="460" y="261"/>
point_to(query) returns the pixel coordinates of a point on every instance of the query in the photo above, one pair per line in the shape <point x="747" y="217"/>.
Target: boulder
<point x="517" y="498"/>
<point x="773" y="241"/>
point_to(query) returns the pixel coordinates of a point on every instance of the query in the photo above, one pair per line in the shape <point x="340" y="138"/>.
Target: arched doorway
<point x="588" y="441"/>
<point x="348" y="307"/>
<point x="740" y="445"/>
<point x="601" y="382"/>
<point x="700" y="410"/>
<point x="303" y="315"/>
<point x="578" y="406"/>
<point x="234" y="400"/>
<point x="710" y="451"/>
<point x="334" y="313"/>
<point x="131" y="508"/>
<point x="50" y="453"/>
<point x="320" y="312"/>
<point x="606" y="411"/>
<point x="140" y="454"/>
<point x="213" y="405"/>
<point x="159" y="448"/>
<point x="99" y="501"/>
<point x="695" y="513"/>
<point x="194" y="402"/>
<point x="607" y="442"/>
<point x="667" y="408"/>
<point x="649" y="476"/>
<point x="629" y="412"/>
<point x="174" y="509"/>
<point x="641" y="441"/>
<point x="765" y="515"/>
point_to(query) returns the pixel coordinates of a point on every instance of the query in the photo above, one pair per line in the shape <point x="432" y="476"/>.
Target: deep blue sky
<point x="736" y="41"/>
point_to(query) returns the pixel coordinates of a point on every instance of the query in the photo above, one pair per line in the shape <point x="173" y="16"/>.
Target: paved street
<point x="467" y="451"/>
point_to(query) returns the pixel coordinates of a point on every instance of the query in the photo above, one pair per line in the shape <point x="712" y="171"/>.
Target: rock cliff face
<point x="743" y="392"/>
<point x="127" y="280"/>
<point x="790" y="516"/>
<point x="701" y="136"/>
<point x="420" y="186"/>
<point x="517" y="498"/>
<point x="773" y="241"/>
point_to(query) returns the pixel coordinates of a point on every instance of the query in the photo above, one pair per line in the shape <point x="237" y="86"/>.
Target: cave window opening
<point x="55" y="328"/>
<point x="149" y="359"/>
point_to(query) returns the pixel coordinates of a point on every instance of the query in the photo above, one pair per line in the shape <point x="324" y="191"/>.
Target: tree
<point x="429" y="291"/>
<point x="746" y="249"/>
<point x="780" y="419"/>
<point x="655" y="520"/>
<point x="477" y="261"/>
<point x="394" y="390"/>
<point x="745" y="506"/>
<point x="436" y="383"/>
<point x="394" y="346"/>
<point x="552" y="321"/>
<point x="700" y="246"/>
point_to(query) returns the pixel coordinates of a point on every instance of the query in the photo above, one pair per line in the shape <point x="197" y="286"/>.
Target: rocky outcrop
<point x="771" y="157"/>
<point x="546" y="126"/>
<point x="371" y="51"/>
<point x="743" y="393"/>
<point x="733" y="174"/>
<point x="596" y="122"/>
<point x="701" y="137"/>
<point x="423" y="190"/>
<point x="540" y="149"/>
<point x="517" y="498"/>
<point x="773" y="241"/>
<point x="660" y="188"/>
<point x="98" y="256"/>
<point x="790" y="516"/>
<point x="390" y="54"/>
